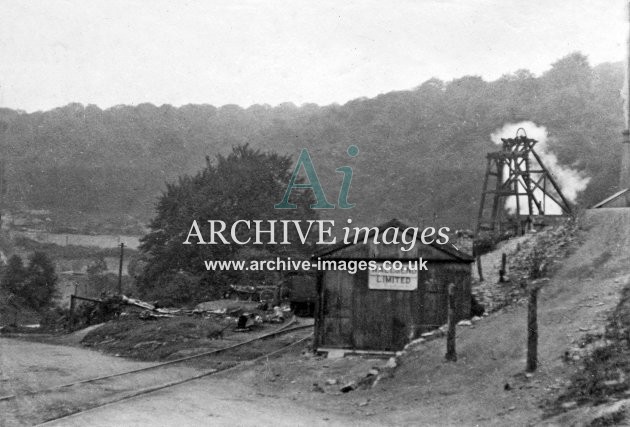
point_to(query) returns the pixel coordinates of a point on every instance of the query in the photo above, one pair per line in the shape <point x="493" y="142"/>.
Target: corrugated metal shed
<point x="382" y="311"/>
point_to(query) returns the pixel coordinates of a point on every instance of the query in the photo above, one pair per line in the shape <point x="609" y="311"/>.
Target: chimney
<point x="624" y="176"/>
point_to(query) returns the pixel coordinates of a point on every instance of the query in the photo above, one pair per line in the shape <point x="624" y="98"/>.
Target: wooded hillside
<point x="422" y="151"/>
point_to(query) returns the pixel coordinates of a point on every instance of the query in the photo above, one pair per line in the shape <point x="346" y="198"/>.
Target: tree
<point x="12" y="285"/>
<point x="39" y="287"/>
<point x="97" y="266"/>
<point x="32" y="286"/>
<point x="242" y="185"/>
<point x="14" y="275"/>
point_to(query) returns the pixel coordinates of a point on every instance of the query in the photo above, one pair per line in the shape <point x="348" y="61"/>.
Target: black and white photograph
<point x="314" y="213"/>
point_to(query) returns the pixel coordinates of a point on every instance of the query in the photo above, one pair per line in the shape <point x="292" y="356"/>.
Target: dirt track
<point x="29" y="366"/>
<point x="575" y="302"/>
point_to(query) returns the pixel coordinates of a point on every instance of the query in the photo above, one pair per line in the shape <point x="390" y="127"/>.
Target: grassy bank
<point x="603" y="375"/>
<point x="154" y="339"/>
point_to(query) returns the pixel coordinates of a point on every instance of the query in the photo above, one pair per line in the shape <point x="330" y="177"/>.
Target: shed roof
<point x="448" y="251"/>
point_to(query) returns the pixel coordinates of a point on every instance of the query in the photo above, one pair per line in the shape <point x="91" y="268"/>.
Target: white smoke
<point x="570" y="181"/>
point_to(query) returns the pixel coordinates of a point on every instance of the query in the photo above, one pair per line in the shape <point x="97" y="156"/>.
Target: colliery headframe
<point x="517" y="189"/>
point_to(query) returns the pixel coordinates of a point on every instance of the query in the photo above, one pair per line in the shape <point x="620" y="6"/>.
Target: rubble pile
<point x="530" y="259"/>
<point x="540" y="255"/>
<point x="246" y="314"/>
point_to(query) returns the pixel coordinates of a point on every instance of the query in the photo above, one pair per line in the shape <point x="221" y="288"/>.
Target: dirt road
<point x="207" y="402"/>
<point x="29" y="366"/>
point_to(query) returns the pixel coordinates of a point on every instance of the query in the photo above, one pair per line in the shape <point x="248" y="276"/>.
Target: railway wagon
<point x="300" y="288"/>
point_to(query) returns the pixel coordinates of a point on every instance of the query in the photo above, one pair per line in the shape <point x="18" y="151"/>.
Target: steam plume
<point x="571" y="181"/>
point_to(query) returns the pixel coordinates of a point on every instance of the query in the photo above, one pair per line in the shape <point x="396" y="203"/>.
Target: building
<point x="383" y="310"/>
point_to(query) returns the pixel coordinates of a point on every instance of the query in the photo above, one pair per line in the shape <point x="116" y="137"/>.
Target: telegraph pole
<point x="120" y="267"/>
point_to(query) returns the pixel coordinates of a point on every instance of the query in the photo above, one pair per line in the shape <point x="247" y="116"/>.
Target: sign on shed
<point x="393" y="280"/>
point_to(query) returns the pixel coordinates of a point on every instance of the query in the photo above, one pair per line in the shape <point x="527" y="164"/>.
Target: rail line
<point x="285" y="328"/>
<point x="50" y="404"/>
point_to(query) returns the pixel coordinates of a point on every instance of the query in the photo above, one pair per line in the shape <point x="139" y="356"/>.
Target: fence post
<point x="479" y="269"/>
<point x="451" y="354"/>
<point x="503" y="269"/>
<point x="532" y="330"/>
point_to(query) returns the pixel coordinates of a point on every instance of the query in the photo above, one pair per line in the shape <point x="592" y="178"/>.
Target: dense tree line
<point x="422" y="151"/>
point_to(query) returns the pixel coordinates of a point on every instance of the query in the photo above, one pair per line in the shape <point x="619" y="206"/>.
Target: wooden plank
<point x="383" y="319"/>
<point x="319" y="310"/>
<point x="337" y="322"/>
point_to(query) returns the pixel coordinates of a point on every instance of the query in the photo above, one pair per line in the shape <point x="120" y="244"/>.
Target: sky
<point x="244" y="52"/>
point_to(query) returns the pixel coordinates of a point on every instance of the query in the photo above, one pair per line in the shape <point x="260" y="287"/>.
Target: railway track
<point x="50" y="404"/>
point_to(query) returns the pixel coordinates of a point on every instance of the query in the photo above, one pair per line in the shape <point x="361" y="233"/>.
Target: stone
<point x="348" y="387"/>
<point x="416" y="342"/>
<point x="335" y="354"/>
<point x="391" y="363"/>
<point x="318" y="388"/>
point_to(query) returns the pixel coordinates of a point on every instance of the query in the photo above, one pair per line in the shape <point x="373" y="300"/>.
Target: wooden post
<point x="319" y="310"/>
<point x="479" y="269"/>
<point x="532" y="330"/>
<point x="13" y="302"/>
<point x="451" y="354"/>
<point x="120" y="268"/>
<point x="72" y="309"/>
<point x="503" y="270"/>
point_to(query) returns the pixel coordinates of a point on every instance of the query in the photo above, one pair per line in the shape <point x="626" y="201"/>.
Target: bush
<point x="33" y="285"/>
<point x="55" y="319"/>
<point x="95" y="313"/>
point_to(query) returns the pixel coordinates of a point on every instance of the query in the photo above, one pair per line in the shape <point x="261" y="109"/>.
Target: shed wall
<point x="352" y="316"/>
<point x="433" y="287"/>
